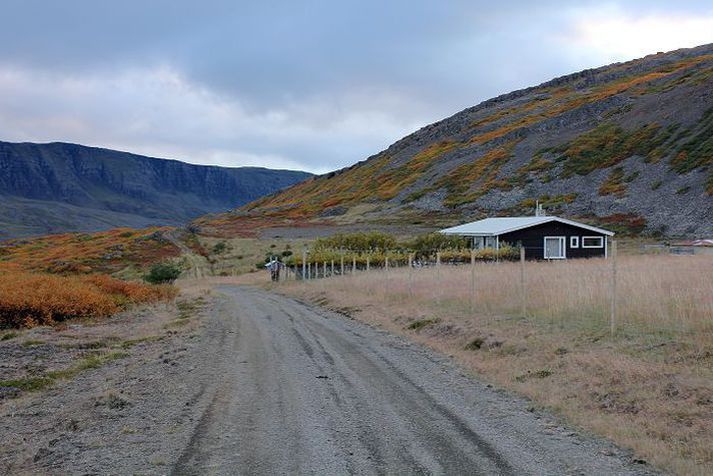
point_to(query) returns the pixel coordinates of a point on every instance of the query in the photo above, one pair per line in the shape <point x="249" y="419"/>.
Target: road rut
<point x="296" y="390"/>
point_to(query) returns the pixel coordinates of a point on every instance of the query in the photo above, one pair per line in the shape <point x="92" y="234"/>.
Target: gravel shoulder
<point x="257" y="383"/>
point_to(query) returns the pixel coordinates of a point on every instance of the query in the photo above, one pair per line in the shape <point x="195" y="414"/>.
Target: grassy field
<point x="648" y="387"/>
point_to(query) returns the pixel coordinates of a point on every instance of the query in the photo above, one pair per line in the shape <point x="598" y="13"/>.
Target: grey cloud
<point x="316" y="84"/>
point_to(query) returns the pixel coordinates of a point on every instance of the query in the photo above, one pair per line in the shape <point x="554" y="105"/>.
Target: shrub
<point x="425" y="245"/>
<point x="31" y="299"/>
<point x="363" y="241"/>
<point x="614" y="184"/>
<point x="219" y="247"/>
<point x="163" y="273"/>
<point x="475" y="344"/>
<point x="608" y="144"/>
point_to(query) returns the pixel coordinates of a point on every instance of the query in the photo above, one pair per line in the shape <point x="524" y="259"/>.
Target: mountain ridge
<point x="58" y="186"/>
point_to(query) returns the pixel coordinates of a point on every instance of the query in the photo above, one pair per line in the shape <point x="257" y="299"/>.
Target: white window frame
<point x="574" y="242"/>
<point x="600" y="245"/>
<point x="563" y="240"/>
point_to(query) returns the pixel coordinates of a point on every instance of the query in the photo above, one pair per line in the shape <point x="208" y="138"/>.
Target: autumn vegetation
<point x="81" y="253"/>
<point x="30" y="299"/>
<point x="58" y="277"/>
<point x="379" y="249"/>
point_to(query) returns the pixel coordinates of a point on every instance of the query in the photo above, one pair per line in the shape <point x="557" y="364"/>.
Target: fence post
<point x="341" y="262"/>
<point x="324" y="269"/>
<point x="331" y="273"/>
<point x="353" y="264"/>
<point x="472" y="280"/>
<point x="367" y="263"/>
<point x="304" y="264"/>
<point x="438" y="275"/>
<point x="612" y="318"/>
<point x="386" y="274"/>
<point x="410" y="274"/>
<point x="523" y="286"/>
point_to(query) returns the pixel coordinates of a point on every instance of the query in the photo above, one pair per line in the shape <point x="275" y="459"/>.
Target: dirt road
<point x="267" y="385"/>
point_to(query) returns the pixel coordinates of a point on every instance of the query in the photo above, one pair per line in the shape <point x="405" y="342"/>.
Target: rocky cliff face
<point x="628" y="146"/>
<point x="46" y="188"/>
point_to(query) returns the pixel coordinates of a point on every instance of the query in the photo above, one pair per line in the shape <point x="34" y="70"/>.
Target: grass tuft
<point x="475" y="344"/>
<point x="29" y="384"/>
<point x="34" y="384"/>
<point x="421" y="323"/>
<point x="32" y="343"/>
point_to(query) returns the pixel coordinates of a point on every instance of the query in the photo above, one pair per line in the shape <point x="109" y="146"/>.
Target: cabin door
<point x="555" y="247"/>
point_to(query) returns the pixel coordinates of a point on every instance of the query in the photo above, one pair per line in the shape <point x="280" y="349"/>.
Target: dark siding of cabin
<point x="533" y="239"/>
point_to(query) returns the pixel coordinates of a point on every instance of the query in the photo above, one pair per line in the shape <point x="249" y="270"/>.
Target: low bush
<point x="424" y="245"/>
<point x="363" y="241"/>
<point x="32" y="299"/>
<point x="161" y="273"/>
<point x="475" y="344"/>
<point x="220" y="247"/>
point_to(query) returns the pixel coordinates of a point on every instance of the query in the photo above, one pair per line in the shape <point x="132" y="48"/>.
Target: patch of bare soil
<point x="89" y="396"/>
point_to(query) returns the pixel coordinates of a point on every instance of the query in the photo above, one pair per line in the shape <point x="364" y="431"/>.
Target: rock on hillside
<point x="629" y="146"/>
<point x="58" y="187"/>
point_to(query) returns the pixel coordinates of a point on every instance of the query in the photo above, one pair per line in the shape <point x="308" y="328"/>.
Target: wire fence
<point x="618" y="295"/>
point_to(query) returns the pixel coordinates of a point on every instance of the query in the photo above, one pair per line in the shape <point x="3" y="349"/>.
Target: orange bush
<point x="31" y="299"/>
<point x="132" y="291"/>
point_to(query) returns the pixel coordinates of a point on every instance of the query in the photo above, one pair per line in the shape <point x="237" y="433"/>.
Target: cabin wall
<point x="533" y="239"/>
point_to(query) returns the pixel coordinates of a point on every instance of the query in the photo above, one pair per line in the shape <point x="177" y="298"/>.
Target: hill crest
<point x="628" y="146"/>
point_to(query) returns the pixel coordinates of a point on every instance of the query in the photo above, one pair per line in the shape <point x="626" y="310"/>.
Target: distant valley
<point x="59" y="187"/>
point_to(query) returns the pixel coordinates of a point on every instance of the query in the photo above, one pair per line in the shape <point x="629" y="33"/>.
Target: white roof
<point x="502" y="225"/>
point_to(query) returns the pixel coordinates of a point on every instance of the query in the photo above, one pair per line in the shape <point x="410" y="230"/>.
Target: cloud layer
<point x="307" y="85"/>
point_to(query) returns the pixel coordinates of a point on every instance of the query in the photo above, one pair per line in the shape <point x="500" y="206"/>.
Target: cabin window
<point x="554" y="247"/>
<point x="592" y="242"/>
<point x="574" y="242"/>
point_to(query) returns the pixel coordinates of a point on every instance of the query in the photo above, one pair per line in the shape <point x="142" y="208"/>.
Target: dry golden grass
<point x="649" y="387"/>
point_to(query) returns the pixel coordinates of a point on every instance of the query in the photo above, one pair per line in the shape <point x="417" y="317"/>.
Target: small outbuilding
<point x="693" y="247"/>
<point x="543" y="237"/>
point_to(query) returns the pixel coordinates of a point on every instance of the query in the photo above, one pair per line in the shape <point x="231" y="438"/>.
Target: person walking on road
<point x="274" y="267"/>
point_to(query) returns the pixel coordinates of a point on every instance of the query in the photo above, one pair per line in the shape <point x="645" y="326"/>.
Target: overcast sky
<point x="297" y="84"/>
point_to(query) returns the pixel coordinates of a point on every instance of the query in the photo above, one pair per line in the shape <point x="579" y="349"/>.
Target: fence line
<point x="605" y="294"/>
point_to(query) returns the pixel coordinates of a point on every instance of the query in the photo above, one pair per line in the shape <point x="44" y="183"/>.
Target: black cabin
<point x="543" y="237"/>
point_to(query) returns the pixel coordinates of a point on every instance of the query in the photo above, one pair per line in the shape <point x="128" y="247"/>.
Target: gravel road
<point x="304" y="391"/>
<point x="267" y="385"/>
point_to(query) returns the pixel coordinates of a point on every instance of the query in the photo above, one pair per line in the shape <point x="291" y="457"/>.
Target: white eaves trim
<point x="501" y="225"/>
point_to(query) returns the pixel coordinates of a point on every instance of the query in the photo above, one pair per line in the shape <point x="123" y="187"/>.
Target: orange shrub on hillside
<point x="30" y="299"/>
<point x="80" y="253"/>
